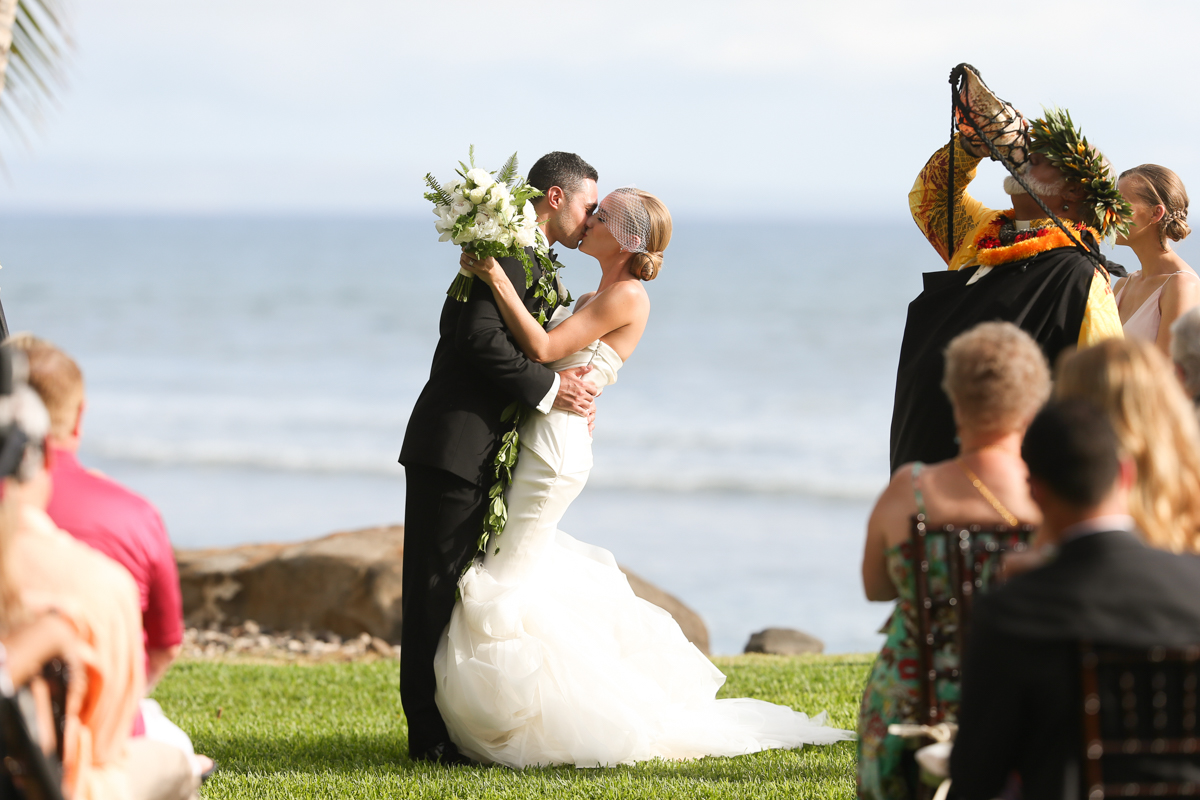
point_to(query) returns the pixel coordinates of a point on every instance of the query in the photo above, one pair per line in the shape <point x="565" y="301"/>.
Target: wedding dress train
<point x="549" y="657"/>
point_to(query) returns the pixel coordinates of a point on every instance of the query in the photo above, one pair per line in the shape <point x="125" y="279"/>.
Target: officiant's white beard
<point x="1040" y="188"/>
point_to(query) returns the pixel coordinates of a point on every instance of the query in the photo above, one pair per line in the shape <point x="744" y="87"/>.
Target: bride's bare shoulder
<point x="631" y="291"/>
<point x="621" y="295"/>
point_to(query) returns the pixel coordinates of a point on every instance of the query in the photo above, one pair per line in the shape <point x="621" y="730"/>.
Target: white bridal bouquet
<point x="490" y="214"/>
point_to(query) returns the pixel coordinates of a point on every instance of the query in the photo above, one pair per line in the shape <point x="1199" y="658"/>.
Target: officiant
<point x="1018" y="265"/>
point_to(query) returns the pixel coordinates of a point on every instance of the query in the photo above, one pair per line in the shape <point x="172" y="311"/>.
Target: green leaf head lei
<point x="1055" y="136"/>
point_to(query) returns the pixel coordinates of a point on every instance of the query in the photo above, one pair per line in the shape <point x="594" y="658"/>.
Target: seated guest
<point x="110" y="518"/>
<point x="1156" y="427"/>
<point x="28" y="642"/>
<point x="996" y="379"/>
<point x="100" y="512"/>
<point x="1021" y="701"/>
<point x="1185" y="352"/>
<point x="97" y="597"/>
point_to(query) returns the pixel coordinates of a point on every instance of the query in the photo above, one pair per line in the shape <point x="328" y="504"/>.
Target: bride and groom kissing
<point x="536" y="651"/>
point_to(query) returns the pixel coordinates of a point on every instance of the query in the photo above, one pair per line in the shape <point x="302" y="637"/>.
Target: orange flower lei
<point x="991" y="252"/>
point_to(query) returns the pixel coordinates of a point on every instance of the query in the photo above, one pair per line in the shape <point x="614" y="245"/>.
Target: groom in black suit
<point x="454" y="434"/>
<point x="1021" y="701"/>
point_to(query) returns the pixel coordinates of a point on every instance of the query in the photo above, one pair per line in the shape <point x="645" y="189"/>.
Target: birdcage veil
<point x="626" y="218"/>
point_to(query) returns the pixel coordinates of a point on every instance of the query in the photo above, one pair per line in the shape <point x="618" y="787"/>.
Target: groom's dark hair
<point x="564" y="170"/>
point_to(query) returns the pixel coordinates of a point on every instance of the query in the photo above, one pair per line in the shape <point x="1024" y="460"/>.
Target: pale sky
<point x="749" y="109"/>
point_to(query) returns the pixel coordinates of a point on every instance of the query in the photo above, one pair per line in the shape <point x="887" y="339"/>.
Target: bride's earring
<point x="1066" y="207"/>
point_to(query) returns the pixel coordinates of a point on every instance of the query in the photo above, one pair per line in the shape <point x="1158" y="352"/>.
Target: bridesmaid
<point x="1165" y="287"/>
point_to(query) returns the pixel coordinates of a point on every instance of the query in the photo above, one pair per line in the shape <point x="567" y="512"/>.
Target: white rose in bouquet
<point x="481" y="178"/>
<point x="526" y="237"/>
<point x="499" y="196"/>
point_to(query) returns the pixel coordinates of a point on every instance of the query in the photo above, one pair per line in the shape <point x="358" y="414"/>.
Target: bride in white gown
<point x="549" y="657"/>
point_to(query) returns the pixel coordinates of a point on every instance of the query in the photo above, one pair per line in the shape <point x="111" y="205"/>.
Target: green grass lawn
<point x="337" y="730"/>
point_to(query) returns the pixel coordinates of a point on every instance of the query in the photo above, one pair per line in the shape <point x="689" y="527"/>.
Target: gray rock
<point x="783" y="642"/>
<point x="348" y="584"/>
<point x="346" y="587"/>
<point x="689" y="621"/>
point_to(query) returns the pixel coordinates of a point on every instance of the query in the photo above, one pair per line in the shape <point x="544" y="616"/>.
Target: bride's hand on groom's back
<point x="576" y="395"/>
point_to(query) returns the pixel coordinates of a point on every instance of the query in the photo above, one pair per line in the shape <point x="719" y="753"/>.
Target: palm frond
<point x="34" y="44"/>
<point x="508" y="173"/>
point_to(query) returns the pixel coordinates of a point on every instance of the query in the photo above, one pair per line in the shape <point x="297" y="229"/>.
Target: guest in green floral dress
<point x="996" y="378"/>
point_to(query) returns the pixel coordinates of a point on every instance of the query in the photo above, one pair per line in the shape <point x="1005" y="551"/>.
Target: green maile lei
<point x="505" y="461"/>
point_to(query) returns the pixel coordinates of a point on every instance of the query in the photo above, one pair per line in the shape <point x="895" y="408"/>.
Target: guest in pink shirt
<point x="125" y="527"/>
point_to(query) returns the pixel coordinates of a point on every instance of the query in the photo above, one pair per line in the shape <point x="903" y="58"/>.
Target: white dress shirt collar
<point x="1110" y="522"/>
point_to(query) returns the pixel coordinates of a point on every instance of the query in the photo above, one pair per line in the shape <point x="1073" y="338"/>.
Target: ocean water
<point x="253" y="378"/>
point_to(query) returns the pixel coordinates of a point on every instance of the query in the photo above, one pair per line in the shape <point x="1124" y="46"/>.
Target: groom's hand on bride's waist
<point x="575" y="394"/>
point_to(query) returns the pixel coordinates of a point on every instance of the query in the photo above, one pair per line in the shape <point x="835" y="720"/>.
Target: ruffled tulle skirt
<point x="567" y="666"/>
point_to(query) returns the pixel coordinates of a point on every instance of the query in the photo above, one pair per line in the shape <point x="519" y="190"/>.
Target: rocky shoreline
<point x="336" y="598"/>
<point x="249" y="641"/>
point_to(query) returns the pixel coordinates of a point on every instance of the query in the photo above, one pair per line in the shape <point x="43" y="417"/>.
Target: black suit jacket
<point x="478" y="370"/>
<point x="1021" y="708"/>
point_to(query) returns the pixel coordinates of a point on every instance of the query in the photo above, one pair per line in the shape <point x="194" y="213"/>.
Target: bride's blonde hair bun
<point x="647" y="265"/>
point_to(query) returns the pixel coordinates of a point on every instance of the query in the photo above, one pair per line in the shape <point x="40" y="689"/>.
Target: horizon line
<point x="409" y="216"/>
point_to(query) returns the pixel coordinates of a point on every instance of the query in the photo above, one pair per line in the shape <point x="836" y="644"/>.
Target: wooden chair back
<point x="973" y="556"/>
<point x="57" y="676"/>
<point x="1140" y="733"/>
<point x="26" y="772"/>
